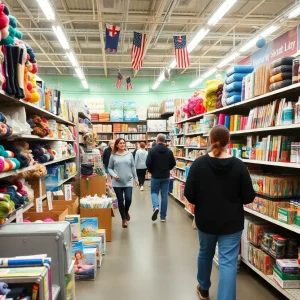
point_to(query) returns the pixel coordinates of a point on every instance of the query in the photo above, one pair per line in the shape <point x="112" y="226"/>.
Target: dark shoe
<point x="155" y="213"/>
<point x="128" y="216"/>
<point x="204" y="295"/>
<point x="124" y="224"/>
<point x="163" y="220"/>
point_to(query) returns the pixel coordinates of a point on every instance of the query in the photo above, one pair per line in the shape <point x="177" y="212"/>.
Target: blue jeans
<point x="229" y="246"/>
<point x="123" y="193"/>
<point x="162" y="186"/>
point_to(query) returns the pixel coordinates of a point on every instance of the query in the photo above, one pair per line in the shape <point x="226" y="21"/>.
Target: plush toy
<point x="4" y="21"/>
<point x="39" y="125"/>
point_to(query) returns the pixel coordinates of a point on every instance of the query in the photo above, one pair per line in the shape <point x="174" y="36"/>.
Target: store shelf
<point x="35" y="137"/>
<point x="119" y="122"/>
<point x="266" y="129"/>
<point x="249" y="103"/>
<point x="177" y="134"/>
<point x="189" y="212"/>
<point x="83" y="115"/>
<point x="291" y="227"/>
<point x="182" y="180"/>
<point x="184" y="158"/>
<point x="272" y="163"/>
<point x="64" y="181"/>
<point x="125" y="132"/>
<point x="292" y="294"/>
<point x="193" y="133"/>
<point x="12" y="216"/>
<point x="59" y="160"/>
<point x="55" y="291"/>
<point x="178" y="146"/>
<point x="180" y="168"/>
<point x="182" y="202"/>
<point x="197" y="148"/>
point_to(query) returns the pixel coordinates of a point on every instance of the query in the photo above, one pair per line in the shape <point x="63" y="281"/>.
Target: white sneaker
<point x="142" y="188"/>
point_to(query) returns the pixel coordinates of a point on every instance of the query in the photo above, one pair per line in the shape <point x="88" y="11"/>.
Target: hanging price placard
<point x="49" y="200"/>
<point x="68" y="191"/>
<point x="19" y="216"/>
<point x="39" y="204"/>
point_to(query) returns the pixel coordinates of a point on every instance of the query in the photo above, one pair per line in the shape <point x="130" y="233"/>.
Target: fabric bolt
<point x="124" y="196"/>
<point x="234" y="87"/>
<point x="228" y="249"/>
<point x="162" y="186"/>
<point x="281" y="84"/>
<point x="281" y="69"/>
<point x="280" y="77"/>
<point x="233" y="99"/>
<point x="141" y="174"/>
<point x="240" y="69"/>
<point x="235" y="77"/>
<point x="288" y="60"/>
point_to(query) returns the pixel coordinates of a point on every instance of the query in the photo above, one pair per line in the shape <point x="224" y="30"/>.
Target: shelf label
<point x="49" y="200"/>
<point x="19" y="215"/>
<point x="39" y="204"/>
<point x="68" y="192"/>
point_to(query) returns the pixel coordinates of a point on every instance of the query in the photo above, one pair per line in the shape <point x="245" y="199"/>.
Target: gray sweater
<point x="140" y="159"/>
<point x="123" y="166"/>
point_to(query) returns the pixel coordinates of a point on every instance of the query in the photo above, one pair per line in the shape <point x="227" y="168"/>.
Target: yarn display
<point x="6" y="206"/>
<point x="195" y="105"/>
<point x="96" y="202"/>
<point x="5" y="129"/>
<point x="211" y="97"/>
<point x="281" y="73"/>
<point x="219" y="95"/>
<point x="39" y="171"/>
<point x="39" y="125"/>
<point x="43" y="154"/>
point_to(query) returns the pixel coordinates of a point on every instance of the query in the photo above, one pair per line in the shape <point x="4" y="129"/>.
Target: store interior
<point x="77" y="75"/>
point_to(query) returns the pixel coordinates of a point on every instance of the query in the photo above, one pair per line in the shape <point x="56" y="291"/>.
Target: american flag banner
<point x="181" y="53"/>
<point x="119" y="81"/>
<point x="129" y="83"/>
<point x="138" y="49"/>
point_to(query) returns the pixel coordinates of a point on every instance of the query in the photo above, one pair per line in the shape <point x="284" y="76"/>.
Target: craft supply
<point x="287" y="265"/>
<point x="295" y="70"/>
<point x="287" y="115"/>
<point x="287" y="215"/>
<point x="286" y="281"/>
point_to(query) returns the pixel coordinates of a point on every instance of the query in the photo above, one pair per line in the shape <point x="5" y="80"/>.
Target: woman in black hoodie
<point x="219" y="185"/>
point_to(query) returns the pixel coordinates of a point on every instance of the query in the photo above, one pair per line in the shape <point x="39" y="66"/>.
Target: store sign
<point x="287" y="44"/>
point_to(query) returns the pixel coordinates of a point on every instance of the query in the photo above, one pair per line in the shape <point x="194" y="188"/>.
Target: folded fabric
<point x="234" y="93"/>
<point x="240" y="69"/>
<point x="234" y="86"/>
<point x="280" y="84"/>
<point x="288" y="60"/>
<point x="235" y="77"/>
<point x="280" y="77"/>
<point x="281" y="69"/>
<point x="233" y="99"/>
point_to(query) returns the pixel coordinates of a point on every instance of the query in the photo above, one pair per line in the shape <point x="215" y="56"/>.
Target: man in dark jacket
<point x="160" y="162"/>
<point x="106" y="157"/>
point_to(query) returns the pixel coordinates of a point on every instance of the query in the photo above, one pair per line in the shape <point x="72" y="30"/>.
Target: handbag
<point x="86" y="169"/>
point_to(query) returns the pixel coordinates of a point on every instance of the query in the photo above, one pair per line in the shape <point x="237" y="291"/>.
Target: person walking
<point x="140" y="164"/>
<point x="137" y="147"/>
<point x="122" y="169"/>
<point x="219" y="185"/>
<point x="160" y="162"/>
<point x="106" y="157"/>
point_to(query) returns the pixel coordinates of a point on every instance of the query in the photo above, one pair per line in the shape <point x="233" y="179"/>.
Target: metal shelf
<point x="272" y="163"/>
<point x="177" y="198"/>
<point x="182" y="180"/>
<point x="189" y="212"/>
<point x="292" y="294"/>
<point x="194" y="133"/>
<point x="65" y="180"/>
<point x="55" y="291"/>
<point x="265" y="129"/>
<point x="12" y="216"/>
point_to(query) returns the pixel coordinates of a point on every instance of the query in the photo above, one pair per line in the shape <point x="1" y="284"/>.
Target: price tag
<point x="49" y="200"/>
<point x="68" y="192"/>
<point x="19" y="216"/>
<point x="39" y="204"/>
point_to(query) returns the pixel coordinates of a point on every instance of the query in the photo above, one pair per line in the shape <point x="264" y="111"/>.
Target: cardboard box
<point x="71" y="205"/>
<point x="286" y="281"/>
<point x="57" y="209"/>
<point x="94" y="185"/>
<point x="287" y="215"/>
<point x="55" y="216"/>
<point x="104" y="216"/>
<point x="38" y="187"/>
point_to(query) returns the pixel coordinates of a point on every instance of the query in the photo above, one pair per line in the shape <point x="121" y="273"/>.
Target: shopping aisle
<point x="158" y="261"/>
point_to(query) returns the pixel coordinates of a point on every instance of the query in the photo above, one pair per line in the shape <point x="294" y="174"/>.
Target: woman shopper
<point x="122" y="169"/>
<point x="106" y="157"/>
<point x="219" y="185"/>
<point x="140" y="164"/>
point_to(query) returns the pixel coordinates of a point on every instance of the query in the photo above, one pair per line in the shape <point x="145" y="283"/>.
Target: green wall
<point x="104" y="88"/>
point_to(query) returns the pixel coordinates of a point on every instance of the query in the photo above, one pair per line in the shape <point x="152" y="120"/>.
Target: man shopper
<point x="160" y="162"/>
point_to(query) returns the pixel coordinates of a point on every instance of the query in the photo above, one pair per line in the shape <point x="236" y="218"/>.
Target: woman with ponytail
<point x="219" y="185"/>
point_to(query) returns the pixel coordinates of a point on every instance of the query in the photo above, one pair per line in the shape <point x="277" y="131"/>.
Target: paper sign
<point x="68" y="191"/>
<point x="49" y="200"/>
<point x="19" y="216"/>
<point x="39" y="204"/>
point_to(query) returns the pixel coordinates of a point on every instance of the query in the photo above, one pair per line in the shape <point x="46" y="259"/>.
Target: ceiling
<point x="84" y="23"/>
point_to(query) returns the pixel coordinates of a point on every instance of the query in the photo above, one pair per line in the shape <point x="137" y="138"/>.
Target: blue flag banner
<point x="112" y="38"/>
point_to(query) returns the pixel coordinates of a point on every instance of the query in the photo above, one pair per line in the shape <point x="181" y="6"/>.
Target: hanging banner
<point x="287" y="44"/>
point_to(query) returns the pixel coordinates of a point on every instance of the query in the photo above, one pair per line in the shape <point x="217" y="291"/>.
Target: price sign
<point x="49" y="200"/>
<point x="19" y="216"/>
<point x="68" y="192"/>
<point x="39" y="204"/>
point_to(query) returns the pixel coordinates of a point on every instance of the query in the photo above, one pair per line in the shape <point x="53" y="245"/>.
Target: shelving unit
<point x="182" y="180"/>
<point x="177" y="198"/>
<point x="189" y="212"/>
<point x="13" y="215"/>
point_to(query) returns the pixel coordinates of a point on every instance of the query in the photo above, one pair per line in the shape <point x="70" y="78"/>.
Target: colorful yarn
<point x="1" y="164"/>
<point x="2" y="118"/>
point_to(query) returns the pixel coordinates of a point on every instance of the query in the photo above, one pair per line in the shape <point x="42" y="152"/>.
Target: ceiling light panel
<point x="47" y="9"/>
<point x="61" y="37"/>
<point x="220" y="12"/>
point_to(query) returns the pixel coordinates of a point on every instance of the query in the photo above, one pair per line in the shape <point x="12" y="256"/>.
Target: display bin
<point x="92" y="185"/>
<point x="54" y="215"/>
<point x="104" y="216"/>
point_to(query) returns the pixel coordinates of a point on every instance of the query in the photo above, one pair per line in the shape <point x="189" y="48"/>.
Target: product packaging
<point x="287" y="215"/>
<point x="285" y="280"/>
<point x="88" y="227"/>
<point x="74" y="221"/>
<point x="94" y="242"/>
<point x="287" y="265"/>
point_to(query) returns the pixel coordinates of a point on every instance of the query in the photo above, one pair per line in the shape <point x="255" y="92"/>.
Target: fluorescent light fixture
<point x="84" y="84"/>
<point x="264" y="34"/>
<point x="161" y="77"/>
<point x="196" y="40"/>
<point x="208" y="73"/>
<point x="156" y="84"/>
<point x="47" y="9"/>
<point x="220" y="12"/>
<point x="201" y="78"/>
<point x="172" y="64"/>
<point x="196" y="82"/>
<point x="72" y="59"/>
<point x="294" y="13"/>
<point x="228" y="59"/>
<point x="61" y="37"/>
<point x="79" y="73"/>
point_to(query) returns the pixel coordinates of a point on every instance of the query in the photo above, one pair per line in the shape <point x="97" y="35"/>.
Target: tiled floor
<point x="157" y="261"/>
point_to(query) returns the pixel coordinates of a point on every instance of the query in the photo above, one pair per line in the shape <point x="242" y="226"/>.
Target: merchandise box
<point x="116" y="111"/>
<point x="104" y="216"/>
<point x="286" y="281"/>
<point x="129" y="111"/>
<point x="74" y="221"/>
<point x="157" y="126"/>
<point x="57" y="209"/>
<point x="88" y="226"/>
<point x="93" y="185"/>
<point x="55" y="216"/>
<point x="73" y="205"/>
<point x="288" y="265"/>
<point x="38" y="187"/>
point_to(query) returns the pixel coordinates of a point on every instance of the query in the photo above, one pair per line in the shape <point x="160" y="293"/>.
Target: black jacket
<point x="160" y="161"/>
<point x="106" y="156"/>
<point x="218" y="188"/>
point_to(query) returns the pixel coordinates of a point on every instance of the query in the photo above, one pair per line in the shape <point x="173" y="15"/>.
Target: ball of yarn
<point x="260" y="43"/>
<point x="48" y="220"/>
<point x="29" y="86"/>
<point x="1" y="163"/>
<point x="12" y="21"/>
<point x="6" y="10"/>
<point x="3" y="129"/>
<point x="3" y="21"/>
<point x="26" y="221"/>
